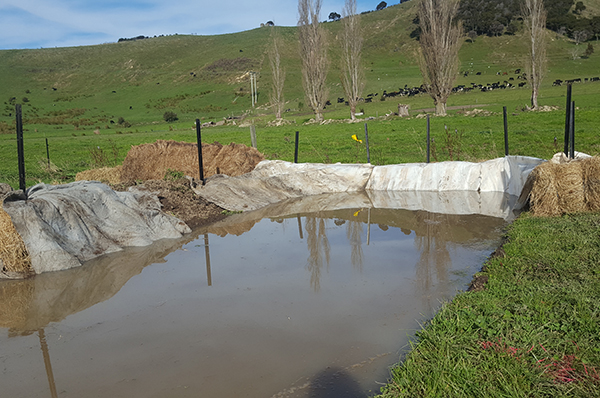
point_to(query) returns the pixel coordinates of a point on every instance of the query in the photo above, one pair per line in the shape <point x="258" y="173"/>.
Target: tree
<point x="439" y="41"/>
<point x="313" y="52"/>
<point x="170" y="116"/>
<point x="353" y="77"/>
<point x="589" y="50"/>
<point x="534" y="19"/>
<point x="579" y="7"/>
<point x="381" y="6"/>
<point x="334" y="16"/>
<point x="277" y="72"/>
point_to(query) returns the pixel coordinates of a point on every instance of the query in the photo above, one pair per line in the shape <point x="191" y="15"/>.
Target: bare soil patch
<point x="178" y="199"/>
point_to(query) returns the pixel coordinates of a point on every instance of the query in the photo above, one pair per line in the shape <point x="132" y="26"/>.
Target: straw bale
<point x="14" y="258"/>
<point x="569" y="185"/>
<point x="591" y="182"/>
<point x="152" y="161"/>
<point x="566" y="187"/>
<point x="544" y="196"/>
<point x="111" y="175"/>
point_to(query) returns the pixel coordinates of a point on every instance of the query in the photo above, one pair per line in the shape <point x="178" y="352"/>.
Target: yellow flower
<point x="355" y="138"/>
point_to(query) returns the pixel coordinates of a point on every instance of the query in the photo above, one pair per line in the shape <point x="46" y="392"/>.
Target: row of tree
<point x="493" y="18"/>
<point x="440" y="41"/>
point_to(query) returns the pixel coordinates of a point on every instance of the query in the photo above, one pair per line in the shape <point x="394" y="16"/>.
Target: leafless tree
<point x="534" y="18"/>
<point x="313" y="52"/>
<point x="440" y="41"/>
<point x="353" y="77"/>
<point x="277" y="72"/>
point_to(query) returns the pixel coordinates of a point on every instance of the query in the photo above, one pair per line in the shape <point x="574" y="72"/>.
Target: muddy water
<point x="309" y="305"/>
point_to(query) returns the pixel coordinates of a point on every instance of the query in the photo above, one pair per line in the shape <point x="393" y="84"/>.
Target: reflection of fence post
<point x="21" y="159"/>
<point x="47" y="363"/>
<point x="253" y="136"/>
<point x="300" y="226"/>
<point x="568" y="120"/>
<point x="207" y="254"/>
<point x="367" y="142"/>
<point x="505" y="132"/>
<point x="428" y="139"/>
<point x="296" y="149"/>
<point x="199" y="139"/>
<point x="368" y="226"/>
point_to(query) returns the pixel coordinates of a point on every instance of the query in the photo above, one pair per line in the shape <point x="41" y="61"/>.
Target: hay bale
<point x="570" y="187"/>
<point x="14" y="258"/>
<point x="568" y="179"/>
<point x="591" y="183"/>
<point x="152" y="161"/>
<point x="111" y="175"/>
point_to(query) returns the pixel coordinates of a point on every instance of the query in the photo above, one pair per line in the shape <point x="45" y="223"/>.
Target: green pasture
<point x="391" y="139"/>
<point x="68" y="94"/>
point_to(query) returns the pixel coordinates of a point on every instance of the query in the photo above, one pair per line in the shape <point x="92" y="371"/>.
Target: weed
<point x="173" y="175"/>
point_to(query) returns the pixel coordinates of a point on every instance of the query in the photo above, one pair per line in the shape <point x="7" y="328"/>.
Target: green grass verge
<point x="533" y="332"/>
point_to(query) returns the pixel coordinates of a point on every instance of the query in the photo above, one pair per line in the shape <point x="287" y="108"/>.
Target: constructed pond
<point x="313" y="304"/>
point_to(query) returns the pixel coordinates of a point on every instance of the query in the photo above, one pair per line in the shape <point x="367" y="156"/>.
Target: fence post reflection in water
<point x="207" y="255"/>
<point x="300" y="226"/>
<point x="47" y="363"/>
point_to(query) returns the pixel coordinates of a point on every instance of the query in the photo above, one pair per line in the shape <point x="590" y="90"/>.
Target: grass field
<point x="68" y="94"/>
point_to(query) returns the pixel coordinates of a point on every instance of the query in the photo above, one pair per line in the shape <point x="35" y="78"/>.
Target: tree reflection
<point x="354" y="234"/>
<point x="434" y="260"/>
<point x="318" y="247"/>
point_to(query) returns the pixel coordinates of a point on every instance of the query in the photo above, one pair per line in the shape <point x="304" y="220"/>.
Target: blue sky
<point x="65" y="23"/>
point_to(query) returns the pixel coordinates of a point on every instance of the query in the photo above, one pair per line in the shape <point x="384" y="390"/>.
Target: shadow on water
<point x="335" y="383"/>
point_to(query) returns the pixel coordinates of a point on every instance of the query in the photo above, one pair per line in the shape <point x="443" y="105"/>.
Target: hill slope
<point x="206" y="76"/>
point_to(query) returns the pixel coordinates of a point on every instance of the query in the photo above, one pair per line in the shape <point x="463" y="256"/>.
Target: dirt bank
<point x="178" y="199"/>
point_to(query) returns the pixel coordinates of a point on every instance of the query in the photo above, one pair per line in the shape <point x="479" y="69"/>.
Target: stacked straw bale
<point x="565" y="188"/>
<point x="14" y="258"/>
<point x="152" y="161"/>
<point x="111" y="175"/>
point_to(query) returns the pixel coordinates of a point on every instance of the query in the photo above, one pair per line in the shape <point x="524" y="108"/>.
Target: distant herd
<point x="499" y="85"/>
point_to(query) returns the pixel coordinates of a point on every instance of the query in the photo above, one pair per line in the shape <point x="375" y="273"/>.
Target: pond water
<point x="307" y="305"/>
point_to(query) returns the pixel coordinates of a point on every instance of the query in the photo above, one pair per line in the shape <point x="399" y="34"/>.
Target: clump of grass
<point x="533" y="331"/>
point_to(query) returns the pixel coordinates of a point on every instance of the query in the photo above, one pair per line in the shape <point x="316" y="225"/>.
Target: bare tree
<point x="534" y="18"/>
<point x="277" y="72"/>
<point x="440" y="41"/>
<point x="313" y="52"/>
<point x="353" y="77"/>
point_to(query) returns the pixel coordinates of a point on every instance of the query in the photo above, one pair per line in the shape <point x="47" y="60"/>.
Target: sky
<point x="67" y="23"/>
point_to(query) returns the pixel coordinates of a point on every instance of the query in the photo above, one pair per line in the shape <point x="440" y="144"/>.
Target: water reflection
<point x="354" y="230"/>
<point x="318" y="249"/>
<point x="256" y="314"/>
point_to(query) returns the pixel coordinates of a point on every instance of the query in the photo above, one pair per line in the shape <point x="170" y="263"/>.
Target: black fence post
<point x="21" y="156"/>
<point x="367" y="142"/>
<point x="428" y="139"/>
<point x="572" y="130"/>
<point x="48" y="154"/>
<point x="199" y="139"/>
<point x="567" y="120"/>
<point x="296" y="148"/>
<point x="505" y="132"/>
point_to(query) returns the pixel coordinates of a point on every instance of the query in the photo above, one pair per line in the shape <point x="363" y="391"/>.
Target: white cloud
<point x="58" y="23"/>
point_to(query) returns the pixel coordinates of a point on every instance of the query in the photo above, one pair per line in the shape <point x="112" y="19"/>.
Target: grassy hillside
<point x="68" y="93"/>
